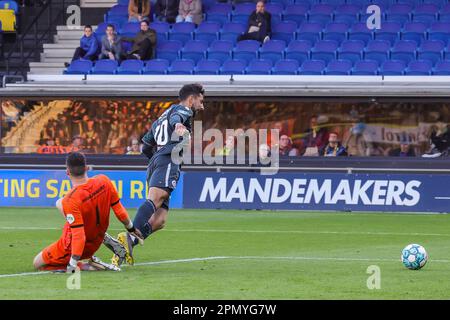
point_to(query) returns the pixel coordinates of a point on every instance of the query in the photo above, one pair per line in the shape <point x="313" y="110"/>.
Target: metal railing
<point x="52" y="12"/>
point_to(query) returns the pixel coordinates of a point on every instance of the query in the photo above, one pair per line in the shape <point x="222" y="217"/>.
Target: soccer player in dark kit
<point x="165" y="138"/>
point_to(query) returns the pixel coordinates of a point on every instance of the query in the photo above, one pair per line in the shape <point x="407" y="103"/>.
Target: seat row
<point x="258" y="67"/>
<point x="301" y="50"/>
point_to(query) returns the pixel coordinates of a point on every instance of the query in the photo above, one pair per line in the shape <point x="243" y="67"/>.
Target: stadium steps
<point x="55" y="54"/>
<point x="97" y="3"/>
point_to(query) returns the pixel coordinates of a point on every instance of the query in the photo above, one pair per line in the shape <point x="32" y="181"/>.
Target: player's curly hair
<point x="187" y="90"/>
<point x="76" y="164"/>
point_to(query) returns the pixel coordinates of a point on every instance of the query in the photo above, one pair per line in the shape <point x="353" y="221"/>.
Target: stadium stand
<point x="305" y="31"/>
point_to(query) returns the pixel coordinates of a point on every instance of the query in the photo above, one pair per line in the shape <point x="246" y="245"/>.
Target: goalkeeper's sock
<point x="142" y="218"/>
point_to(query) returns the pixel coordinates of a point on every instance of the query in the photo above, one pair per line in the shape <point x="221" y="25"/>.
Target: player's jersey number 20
<point x="161" y="133"/>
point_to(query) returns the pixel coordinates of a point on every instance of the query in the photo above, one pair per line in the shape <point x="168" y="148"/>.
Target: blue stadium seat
<point x="442" y="68"/>
<point x="286" y="67"/>
<point x="233" y="67"/>
<point x="351" y="50"/>
<point x="324" y="50"/>
<point x="311" y="31"/>
<point x="220" y="50"/>
<point x="312" y="67"/>
<point x="336" y="31"/>
<point x="444" y="13"/>
<point x="295" y="12"/>
<point x="210" y="67"/>
<point x="182" y="66"/>
<point x="275" y="9"/>
<point x="118" y="20"/>
<point x="272" y="50"/>
<point x="156" y="66"/>
<point x="393" y="68"/>
<point x="168" y="50"/>
<point x="130" y="67"/>
<point x="359" y="31"/>
<point x="298" y="50"/>
<point x="439" y="31"/>
<point x="284" y="30"/>
<point x="347" y="13"/>
<point x="231" y="31"/>
<point x="130" y="29"/>
<point x="104" y="66"/>
<point x="195" y="50"/>
<point x="377" y="50"/>
<point x="425" y="12"/>
<point x="259" y="67"/>
<point x="246" y="50"/>
<point x="419" y="68"/>
<point x="431" y="50"/>
<point x="219" y="12"/>
<point x="339" y="68"/>
<point x="415" y="31"/>
<point x="404" y="50"/>
<point x="399" y="12"/>
<point x="79" y="67"/>
<point x="118" y="11"/>
<point x="242" y="11"/>
<point x="207" y="31"/>
<point x="321" y="13"/>
<point x="389" y="31"/>
<point x="182" y="31"/>
<point x="365" y="68"/>
<point x="162" y="30"/>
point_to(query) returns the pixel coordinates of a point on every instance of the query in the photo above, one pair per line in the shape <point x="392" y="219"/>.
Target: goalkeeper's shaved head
<point x="76" y="164"/>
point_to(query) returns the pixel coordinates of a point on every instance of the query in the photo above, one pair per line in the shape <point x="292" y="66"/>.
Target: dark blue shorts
<point x="163" y="173"/>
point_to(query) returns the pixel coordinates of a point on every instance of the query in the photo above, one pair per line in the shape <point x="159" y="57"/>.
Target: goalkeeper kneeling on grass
<point x="86" y="209"/>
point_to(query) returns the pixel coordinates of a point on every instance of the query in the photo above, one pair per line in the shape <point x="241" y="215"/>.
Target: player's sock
<point x="142" y="217"/>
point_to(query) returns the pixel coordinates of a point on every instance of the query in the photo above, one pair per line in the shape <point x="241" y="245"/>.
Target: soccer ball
<point x="414" y="256"/>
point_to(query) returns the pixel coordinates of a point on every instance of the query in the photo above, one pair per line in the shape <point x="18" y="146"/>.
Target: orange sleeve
<point x="119" y="210"/>
<point x="75" y="219"/>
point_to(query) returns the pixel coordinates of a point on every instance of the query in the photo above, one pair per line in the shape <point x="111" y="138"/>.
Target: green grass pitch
<point x="241" y="255"/>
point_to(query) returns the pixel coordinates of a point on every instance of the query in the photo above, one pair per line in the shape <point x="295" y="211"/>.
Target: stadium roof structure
<point x="232" y="86"/>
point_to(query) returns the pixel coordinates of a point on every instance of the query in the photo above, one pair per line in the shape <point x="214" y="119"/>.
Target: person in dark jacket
<point x="89" y="48"/>
<point x="334" y="148"/>
<point x="259" y="25"/>
<point x="144" y="43"/>
<point x="111" y="45"/>
<point x="405" y="150"/>
<point x="167" y="10"/>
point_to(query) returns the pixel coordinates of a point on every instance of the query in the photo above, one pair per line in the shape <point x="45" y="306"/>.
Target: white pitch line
<point x="261" y="231"/>
<point x="237" y="258"/>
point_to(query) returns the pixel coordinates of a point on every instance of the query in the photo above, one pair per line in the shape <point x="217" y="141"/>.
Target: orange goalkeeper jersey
<point x="86" y="208"/>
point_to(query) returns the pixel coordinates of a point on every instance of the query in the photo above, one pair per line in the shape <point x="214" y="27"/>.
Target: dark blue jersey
<point x="162" y="135"/>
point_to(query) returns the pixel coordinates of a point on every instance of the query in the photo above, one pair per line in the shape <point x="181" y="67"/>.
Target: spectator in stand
<point x="316" y="137"/>
<point x="167" y="10"/>
<point x="190" y="11"/>
<point x="138" y="10"/>
<point x="89" y="48"/>
<point x="135" y="148"/>
<point x="334" y="148"/>
<point x="144" y="43"/>
<point x="259" y="25"/>
<point x="286" y="148"/>
<point x="111" y="45"/>
<point x="439" y="140"/>
<point x="228" y="148"/>
<point x="77" y="144"/>
<point x="404" y="150"/>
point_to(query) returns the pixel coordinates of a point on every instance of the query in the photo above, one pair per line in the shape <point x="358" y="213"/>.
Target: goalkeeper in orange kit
<point x="86" y="209"/>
